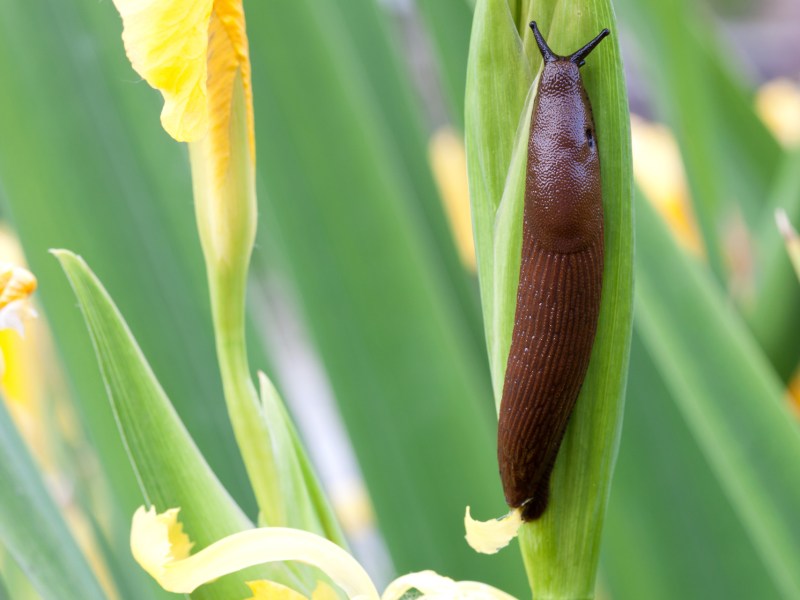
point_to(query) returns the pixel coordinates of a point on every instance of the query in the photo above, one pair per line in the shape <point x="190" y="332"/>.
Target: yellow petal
<point x="437" y="587"/>
<point x="167" y="43"/>
<point x="158" y="540"/>
<point x="153" y="536"/>
<point x="324" y="592"/>
<point x="269" y="590"/>
<point x="488" y="537"/>
<point x="228" y="57"/>
<point x="223" y="161"/>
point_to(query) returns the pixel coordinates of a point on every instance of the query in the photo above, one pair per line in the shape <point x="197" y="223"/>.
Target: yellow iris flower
<point x="195" y="52"/>
<point x="163" y="549"/>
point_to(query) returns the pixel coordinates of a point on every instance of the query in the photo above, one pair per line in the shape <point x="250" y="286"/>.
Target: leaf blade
<point x="31" y="526"/>
<point x="170" y="469"/>
<point x="706" y="355"/>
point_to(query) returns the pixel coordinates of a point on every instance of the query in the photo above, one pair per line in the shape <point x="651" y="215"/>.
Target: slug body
<point x="560" y="282"/>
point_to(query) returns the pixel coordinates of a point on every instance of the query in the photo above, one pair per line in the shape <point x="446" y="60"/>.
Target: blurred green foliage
<point x="704" y="500"/>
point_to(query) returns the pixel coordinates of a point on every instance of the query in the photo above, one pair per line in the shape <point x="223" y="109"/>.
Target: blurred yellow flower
<point x="16" y="286"/>
<point x="161" y="547"/>
<point x="778" y="105"/>
<point x="448" y="160"/>
<point x="35" y="393"/>
<point x="658" y="169"/>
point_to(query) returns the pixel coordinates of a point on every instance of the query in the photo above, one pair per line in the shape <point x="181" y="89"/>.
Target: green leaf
<point x="773" y="315"/>
<point x="498" y="80"/>
<point x="360" y="42"/>
<point x="448" y="25"/>
<point x="728" y="394"/>
<point x="31" y="526"/>
<point x="168" y="466"/>
<point x="671" y="531"/>
<point x="17" y="583"/>
<point x="305" y="503"/>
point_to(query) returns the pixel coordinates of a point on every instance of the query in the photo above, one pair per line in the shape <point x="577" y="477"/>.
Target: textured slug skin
<point x="560" y="283"/>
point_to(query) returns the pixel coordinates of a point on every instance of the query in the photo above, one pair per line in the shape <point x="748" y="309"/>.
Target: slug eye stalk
<point x="578" y="57"/>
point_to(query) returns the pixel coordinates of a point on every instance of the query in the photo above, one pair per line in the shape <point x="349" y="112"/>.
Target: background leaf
<point x="391" y="322"/>
<point x="772" y="315"/>
<point x="32" y="529"/>
<point x="730" y="397"/>
<point x="669" y="520"/>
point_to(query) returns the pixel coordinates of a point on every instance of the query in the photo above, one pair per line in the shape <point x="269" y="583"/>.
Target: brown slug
<point x="560" y="281"/>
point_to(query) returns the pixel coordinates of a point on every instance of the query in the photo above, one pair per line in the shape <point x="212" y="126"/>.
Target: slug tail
<point x="534" y="508"/>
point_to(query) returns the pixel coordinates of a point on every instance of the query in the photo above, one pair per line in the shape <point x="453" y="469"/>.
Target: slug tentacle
<point x="579" y="57"/>
<point x="560" y="283"/>
<point x="547" y="54"/>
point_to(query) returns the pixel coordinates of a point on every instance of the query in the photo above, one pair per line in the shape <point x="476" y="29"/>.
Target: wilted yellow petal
<point x="161" y="548"/>
<point x="436" y="587"/>
<point x="167" y="43"/>
<point x="487" y="537"/>
<point x="158" y="540"/>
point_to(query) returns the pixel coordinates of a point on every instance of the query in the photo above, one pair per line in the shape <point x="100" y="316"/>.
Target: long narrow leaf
<point x="31" y="526"/>
<point x="671" y="531"/>
<point x="448" y="25"/>
<point x="773" y="316"/>
<point x="729" y="395"/>
<point x="170" y="469"/>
